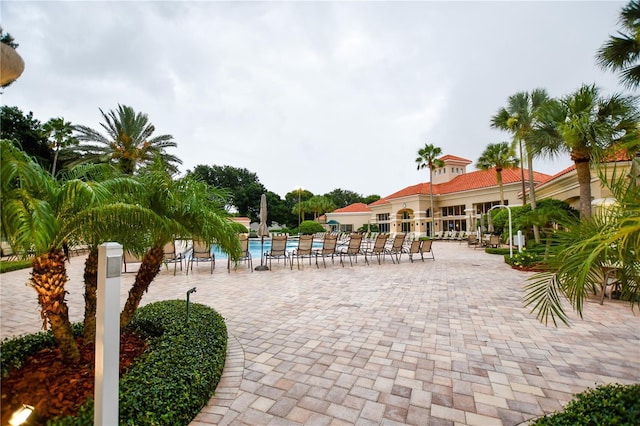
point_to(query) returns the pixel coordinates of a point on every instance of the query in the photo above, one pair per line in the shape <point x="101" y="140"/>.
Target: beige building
<point x="459" y="198"/>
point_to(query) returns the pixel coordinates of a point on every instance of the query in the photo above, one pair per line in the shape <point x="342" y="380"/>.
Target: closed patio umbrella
<point x="11" y="64"/>
<point x="490" y="220"/>
<point x="263" y="231"/>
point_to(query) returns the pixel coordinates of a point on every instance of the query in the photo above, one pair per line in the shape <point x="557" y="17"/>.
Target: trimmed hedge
<point x="612" y="404"/>
<point x="14" y="265"/>
<point x="172" y="381"/>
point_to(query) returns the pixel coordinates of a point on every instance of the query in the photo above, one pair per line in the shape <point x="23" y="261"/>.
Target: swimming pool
<point x="256" y="251"/>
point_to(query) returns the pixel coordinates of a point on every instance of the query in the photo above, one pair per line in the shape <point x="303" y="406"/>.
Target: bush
<point x="524" y="259"/>
<point x="309" y="227"/>
<point x="612" y="404"/>
<point x="14" y="265"/>
<point x="172" y="381"/>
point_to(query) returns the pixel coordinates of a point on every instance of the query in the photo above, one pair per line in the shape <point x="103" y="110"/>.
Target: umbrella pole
<point x="261" y="267"/>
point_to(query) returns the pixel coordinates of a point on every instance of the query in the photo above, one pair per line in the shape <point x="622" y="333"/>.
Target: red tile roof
<point x="453" y="157"/>
<point x="353" y="208"/>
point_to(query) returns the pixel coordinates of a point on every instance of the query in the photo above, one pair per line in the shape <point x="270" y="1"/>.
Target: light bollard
<point x="107" y="361"/>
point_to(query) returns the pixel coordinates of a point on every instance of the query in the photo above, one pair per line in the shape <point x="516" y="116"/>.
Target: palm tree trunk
<point x="524" y="189"/>
<point x="532" y="193"/>
<point x="149" y="268"/>
<point x="584" y="181"/>
<point x="48" y="278"/>
<point x="433" y="220"/>
<point x="499" y="179"/>
<point x="90" y="294"/>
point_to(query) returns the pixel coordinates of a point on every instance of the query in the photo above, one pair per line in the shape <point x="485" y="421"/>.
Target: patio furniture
<point x="278" y="249"/>
<point x="472" y="240"/>
<point x="304" y="249"/>
<point x="329" y="248"/>
<point x="494" y="241"/>
<point x="396" y="247"/>
<point x="378" y="248"/>
<point x="427" y="247"/>
<point x="245" y="254"/>
<point x="352" y="249"/>
<point x="172" y="256"/>
<point x="129" y="258"/>
<point x="201" y="252"/>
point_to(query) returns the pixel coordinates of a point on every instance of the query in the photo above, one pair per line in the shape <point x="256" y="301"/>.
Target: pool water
<point x="256" y="251"/>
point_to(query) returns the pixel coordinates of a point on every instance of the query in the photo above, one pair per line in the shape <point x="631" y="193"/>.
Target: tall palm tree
<point x="191" y="208"/>
<point x="519" y="118"/>
<point x="318" y="205"/>
<point x="622" y="52"/>
<point x="584" y="123"/>
<point x="40" y="215"/>
<point x="128" y="142"/>
<point x="499" y="156"/>
<point x="59" y="134"/>
<point x="428" y="157"/>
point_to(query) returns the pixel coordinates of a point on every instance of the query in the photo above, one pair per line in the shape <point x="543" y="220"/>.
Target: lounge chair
<point x="304" y="249"/>
<point x="172" y="256"/>
<point x="494" y="241"/>
<point x="396" y="247"/>
<point x="278" y="249"/>
<point x="437" y="235"/>
<point x="352" y="249"/>
<point x="128" y="258"/>
<point x="427" y="247"/>
<point x="245" y="254"/>
<point x="329" y="247"/>
<point x="201" y="252"/>
<point x="378" y="248"/>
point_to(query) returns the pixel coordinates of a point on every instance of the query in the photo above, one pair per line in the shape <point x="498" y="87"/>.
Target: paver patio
<point x="439" y="343"/>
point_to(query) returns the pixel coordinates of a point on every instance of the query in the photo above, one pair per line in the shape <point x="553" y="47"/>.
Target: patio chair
<point x="201" y="252"/>
<point x="472" y="240"/>
<point x="437" y="235"/>
<point x="494" y="241"/>
<point x="304" y="249"/>
<point x="129" y="258"/>
<point x="396" y="247"/>
<point x="378" y="248"/>
<point x="415" y="248"/>
<point x="278" y="249"/>
<point x="427" y="247"/>
<point x="172" y="256"/>
<point x="245" y="254"/>
<point x="329" y="246"/>
<point x="352" y="249"/>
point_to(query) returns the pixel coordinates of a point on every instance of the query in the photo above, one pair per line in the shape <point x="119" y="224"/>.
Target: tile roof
<point x="453" y="157"/>
<point x="353" y="208"/>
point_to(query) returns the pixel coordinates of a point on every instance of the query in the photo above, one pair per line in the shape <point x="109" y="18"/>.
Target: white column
<point x="107" y="365"/>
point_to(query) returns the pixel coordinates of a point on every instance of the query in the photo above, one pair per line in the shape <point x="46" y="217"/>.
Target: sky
<point x="317" y="95"/>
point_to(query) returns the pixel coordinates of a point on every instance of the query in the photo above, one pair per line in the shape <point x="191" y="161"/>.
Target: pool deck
<point x="444" y="342"/>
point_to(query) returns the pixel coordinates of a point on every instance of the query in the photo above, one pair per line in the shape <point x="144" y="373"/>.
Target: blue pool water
<point x="255" y="250"/>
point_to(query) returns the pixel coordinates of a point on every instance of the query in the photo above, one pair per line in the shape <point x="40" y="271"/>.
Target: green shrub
<point x="524" y="259"/>
<point x="612" y="404"/>
<point x="309" y="227"/>
<point x="492" y="250"/>
<point x="14" y="265"/>
<point x="175" y="377"/>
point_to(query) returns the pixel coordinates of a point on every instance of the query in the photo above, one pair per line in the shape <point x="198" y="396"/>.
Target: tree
<point x="318" y="205"/>
<point x="621" y="53"/>
<point x="59" y="134"/>
<point x="343" y="198"/>
<point x="26" y="133"/>
<point x="191" y="208"/>
<point x="128" y="142"/>
<point x="243" y="186"/>
<point x="428" y="157"/>
<point x="501" y="156"/>
<point x="40" y="215"/>
<point x="584" y="123"/>
<point x="519" y="118"/>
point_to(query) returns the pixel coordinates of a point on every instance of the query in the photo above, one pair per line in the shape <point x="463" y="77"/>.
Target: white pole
<point x="107" y="361"/>
<point x="502" y="206"/>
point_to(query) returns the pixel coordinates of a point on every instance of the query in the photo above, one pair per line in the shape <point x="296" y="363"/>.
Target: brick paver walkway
<point x="440" y="343"/>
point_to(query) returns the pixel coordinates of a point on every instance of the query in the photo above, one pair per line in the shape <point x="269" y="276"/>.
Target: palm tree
<point x="40" y="215"/>
<point x="583" y="124"/>
<point x="501" y="156"/>
<point x="190" y="208"/>
<point x="318" y="205"/>
<point x="428" y="157"/>
<point x="128" y="142"/>
<point x="59" y="133"/>
<point x="621" y="53"/>
<point x="519" y="118"/>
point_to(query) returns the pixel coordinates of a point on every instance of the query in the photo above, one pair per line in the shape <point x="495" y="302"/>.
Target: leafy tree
<point x="584" y="124"/>
<point x="343" y="198"/>
<point x="499" y="156"/>
<point x="128" y="142"/>
<point x="371" y="199"/>
<point x="26" y="133"/>
<point x="243" y="186"/>
<point x="318" y="205"/>
<point x="428" y="157"/>
<point x="519" y="118"/>
<point x="621" y="53"/>
<point x="295" y="199"/>
<point x="310" y="227"/>
<point x="7" y="39"/>
<point x="278" y="210"/>
<point x="59" y="134"/>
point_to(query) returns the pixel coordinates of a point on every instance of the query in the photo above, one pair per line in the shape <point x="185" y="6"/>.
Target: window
<point x="382" y="217"/>
<point x="346" y="228"/>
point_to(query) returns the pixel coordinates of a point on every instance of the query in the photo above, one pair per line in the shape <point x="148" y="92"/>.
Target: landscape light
<point x="21" y="415"/>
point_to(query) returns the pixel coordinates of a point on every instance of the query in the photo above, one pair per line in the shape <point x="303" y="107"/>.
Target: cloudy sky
<point x="321" y="95"/>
